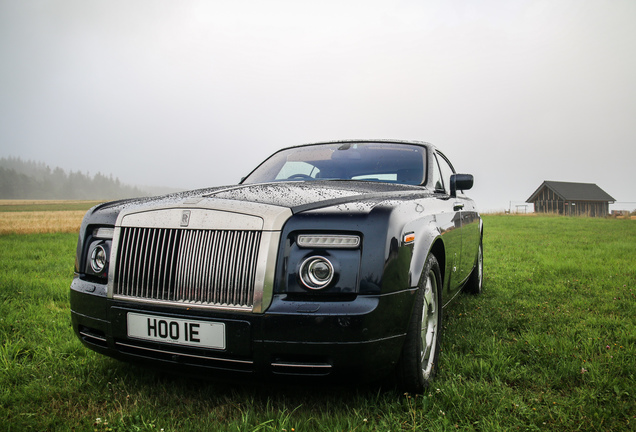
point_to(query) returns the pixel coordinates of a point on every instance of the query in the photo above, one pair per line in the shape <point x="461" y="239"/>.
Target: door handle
<point x="458" y="206"/>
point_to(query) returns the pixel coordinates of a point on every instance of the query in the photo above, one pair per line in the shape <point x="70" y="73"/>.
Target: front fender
<point x="428" y="240"/>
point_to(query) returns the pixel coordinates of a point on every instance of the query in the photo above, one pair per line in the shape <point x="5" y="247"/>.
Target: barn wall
<point x="587" y="208"/>
<point x="549" y="202"/>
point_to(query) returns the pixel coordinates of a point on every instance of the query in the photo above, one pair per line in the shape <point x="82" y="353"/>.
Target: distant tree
<point x="36" y="180"/>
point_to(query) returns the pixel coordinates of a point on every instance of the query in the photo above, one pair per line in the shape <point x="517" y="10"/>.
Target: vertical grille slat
<point x="169" y="292"/>
<point x="218" y="257"/>
<point x="156" y="279"/>
<point x="129" y="260"/>
<point x="180" y="273"/>
<point x="206" y="267"/>
<point x="144" y="265"/>
<point x="150" y="284"/>
<point x="214" y="272"/>
<point x="199" y="279"/>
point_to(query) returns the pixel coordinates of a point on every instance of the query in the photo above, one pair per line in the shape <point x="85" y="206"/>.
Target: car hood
<point x="297" y="196"/>
<point x="303" y="196"/>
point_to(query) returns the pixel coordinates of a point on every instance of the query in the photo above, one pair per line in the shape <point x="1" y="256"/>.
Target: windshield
<point x="382" y="162"/>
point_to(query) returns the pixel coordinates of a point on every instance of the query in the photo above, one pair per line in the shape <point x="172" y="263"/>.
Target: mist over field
<point x="195" y="93"/>
<point x="32" y="180"/>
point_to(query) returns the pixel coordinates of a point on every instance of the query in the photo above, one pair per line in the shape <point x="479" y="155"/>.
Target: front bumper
<point x="360" y="338"/>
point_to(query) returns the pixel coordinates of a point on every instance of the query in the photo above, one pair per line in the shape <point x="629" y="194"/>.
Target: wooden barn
<point x="571" y="199"/>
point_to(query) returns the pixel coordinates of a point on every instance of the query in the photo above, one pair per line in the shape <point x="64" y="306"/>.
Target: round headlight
<point x="98" y="259"/>
<point x="316" y="272"/>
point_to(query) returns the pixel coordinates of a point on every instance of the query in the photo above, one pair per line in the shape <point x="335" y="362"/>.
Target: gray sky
<point x="190" y="94"/>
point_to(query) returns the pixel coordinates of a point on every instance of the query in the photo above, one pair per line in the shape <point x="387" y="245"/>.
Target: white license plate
<point x="176" y="331"/>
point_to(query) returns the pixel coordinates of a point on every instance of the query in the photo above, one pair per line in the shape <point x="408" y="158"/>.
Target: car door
<point x="470" y="234"/>
<point x="450" y="223"/>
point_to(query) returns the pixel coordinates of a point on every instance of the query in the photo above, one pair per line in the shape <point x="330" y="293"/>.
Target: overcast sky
<point x="189" y="94"/>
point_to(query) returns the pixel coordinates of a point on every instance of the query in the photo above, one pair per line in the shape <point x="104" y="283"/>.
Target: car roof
<point x="366" y="140"/>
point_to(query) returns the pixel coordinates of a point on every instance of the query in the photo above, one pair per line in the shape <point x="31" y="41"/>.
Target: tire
<point x="476" y="280"/>
<point x="420" y="352"/>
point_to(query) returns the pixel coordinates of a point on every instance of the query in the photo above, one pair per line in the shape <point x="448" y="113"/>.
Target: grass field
<point x="550" y="345"/>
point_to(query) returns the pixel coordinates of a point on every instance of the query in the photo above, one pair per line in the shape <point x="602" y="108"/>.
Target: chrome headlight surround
<point x="97" y="254"/>
<point x="316" y="272"/>
<point x="99" y="259"/>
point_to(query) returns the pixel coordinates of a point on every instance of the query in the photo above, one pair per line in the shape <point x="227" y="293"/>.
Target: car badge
<point x="185" y="218"/>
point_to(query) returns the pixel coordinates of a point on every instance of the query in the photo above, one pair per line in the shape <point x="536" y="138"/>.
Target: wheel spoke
<point x="429" y="326"/>
<point x="428" y="295"/>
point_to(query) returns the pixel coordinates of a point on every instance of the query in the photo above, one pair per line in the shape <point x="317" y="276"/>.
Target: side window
<point x="438" y="183"/>
<point x="446" y="171"/>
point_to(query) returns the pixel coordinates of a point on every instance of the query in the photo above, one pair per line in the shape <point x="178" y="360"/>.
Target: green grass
<point x="550" y="345"/>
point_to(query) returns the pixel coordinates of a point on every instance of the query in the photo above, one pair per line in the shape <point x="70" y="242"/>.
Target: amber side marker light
<point x="409" y="238"/>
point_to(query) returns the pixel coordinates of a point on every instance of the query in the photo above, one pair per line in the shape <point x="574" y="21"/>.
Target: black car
<point x="328" y="260"/>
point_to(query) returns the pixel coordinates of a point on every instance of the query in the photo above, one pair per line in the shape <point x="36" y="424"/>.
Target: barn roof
<point x="573" y="191"/>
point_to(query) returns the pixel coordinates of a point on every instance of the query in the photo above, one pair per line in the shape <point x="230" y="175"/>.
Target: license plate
<point x="176" y="331"/>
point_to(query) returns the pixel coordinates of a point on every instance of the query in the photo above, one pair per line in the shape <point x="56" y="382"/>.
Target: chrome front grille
<point x="187" y="266"/>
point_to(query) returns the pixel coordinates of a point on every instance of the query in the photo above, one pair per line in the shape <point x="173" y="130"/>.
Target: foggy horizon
<point x="195" y="94"/>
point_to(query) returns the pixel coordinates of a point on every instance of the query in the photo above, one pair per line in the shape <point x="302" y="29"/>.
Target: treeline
<point x="35" y="180"/>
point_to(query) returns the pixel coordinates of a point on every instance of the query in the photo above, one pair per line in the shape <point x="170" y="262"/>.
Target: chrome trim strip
<point x="220" y="213"/>
<point x="303" y="365"/>
<point x="92" y="336"/>
<point x="247" y="362"/>
<point x="200" y="219"/>
<point x="110" y="287"/>
<point x="266" y="267"/>
<point x="181" y="304"/>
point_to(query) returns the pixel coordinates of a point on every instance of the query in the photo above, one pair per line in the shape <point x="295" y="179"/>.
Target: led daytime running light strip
<point x="328" y="241"/>
<point x="104" y="233"/>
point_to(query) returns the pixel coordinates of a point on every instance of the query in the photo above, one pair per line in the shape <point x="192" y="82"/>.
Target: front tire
<point x="476" y="280"/>
<point x="418" y="363"/>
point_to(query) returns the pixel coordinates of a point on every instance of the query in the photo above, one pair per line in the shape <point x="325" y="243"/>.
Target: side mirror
<point x="460" y="182"/>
